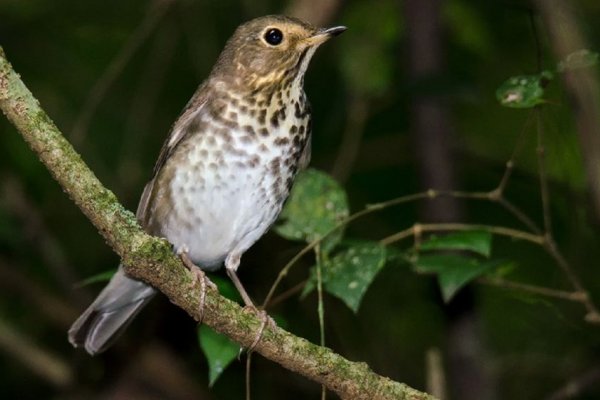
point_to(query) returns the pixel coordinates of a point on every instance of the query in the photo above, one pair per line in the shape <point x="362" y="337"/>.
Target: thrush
<point x="227" y="166"/>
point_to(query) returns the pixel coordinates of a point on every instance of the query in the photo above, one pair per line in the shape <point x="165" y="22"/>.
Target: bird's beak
<point x="336" y="30"/>
<point x="322" y="35"/>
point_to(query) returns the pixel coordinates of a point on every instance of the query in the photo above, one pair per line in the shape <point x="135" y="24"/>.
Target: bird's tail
<point x="114" y="308"/>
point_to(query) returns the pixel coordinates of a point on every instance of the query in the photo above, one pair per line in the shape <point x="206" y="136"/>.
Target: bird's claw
<point x="199" y="277"/>
<point x="265" y="319"/>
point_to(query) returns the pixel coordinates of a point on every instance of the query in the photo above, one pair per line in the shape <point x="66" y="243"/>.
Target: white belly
<point x="227" y="201"/>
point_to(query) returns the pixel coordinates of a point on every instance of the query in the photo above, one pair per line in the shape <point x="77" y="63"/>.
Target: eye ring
<point x="273" y="36"/>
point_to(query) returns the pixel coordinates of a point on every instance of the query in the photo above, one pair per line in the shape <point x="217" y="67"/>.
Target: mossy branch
<point x="151" y="259"/>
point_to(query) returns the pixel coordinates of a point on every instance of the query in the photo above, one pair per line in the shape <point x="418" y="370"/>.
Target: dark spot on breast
<point x="263" y="148"/>
<point x="275" y="186"/>
<point x="269" y="96"/>
<point x="233" y="115"/>
<point x="253" y="161"/>
<point x="217" y="110"/>
<point x="289" y="182"/>
<point x="281" y="141"/>
<point x="196" y="125"/>
<point x="275" y="119"/>
<point x="252" y="112"/>
<point x="213" y="166"/>
<point x="263" y="132"/>
<point x="243" y="109"/>
<point x="225" y="134"/>
<point x="275" y="166"/>
<point x="301" y="131"/>
<point x="293" y="129"/>
<point x="301" y="58"/>
<point x="211" y="140"/>
<point x="262" y="116"/>
<point x="230" y="124"/>
<point x="204" y="153"/>
<point x="249" y="129"/>
<point x="246" y="139"/>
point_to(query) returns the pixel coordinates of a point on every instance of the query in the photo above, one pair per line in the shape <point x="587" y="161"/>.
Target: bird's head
<point x="271" y="50"/>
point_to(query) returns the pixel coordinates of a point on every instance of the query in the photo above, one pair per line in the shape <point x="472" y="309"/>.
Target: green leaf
<point x="219" y="351"/>
<point x="453" y="271"/>
<point x="583" y="58"/>
<point x="349" y="273"/>
<point x="479" y="242"/>
<point x="523" y="91"/>
<point x="317" y="204"/>
<point x="101" y="277"/>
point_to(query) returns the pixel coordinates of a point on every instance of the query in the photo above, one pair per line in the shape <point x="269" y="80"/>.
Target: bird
<point x="226" y="167"/>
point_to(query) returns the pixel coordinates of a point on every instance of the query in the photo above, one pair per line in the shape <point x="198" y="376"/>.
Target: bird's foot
<point x="265" y="320"/>
<point x="199" y="277"/>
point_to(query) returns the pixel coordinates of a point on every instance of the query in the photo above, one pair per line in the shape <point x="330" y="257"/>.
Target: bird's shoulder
<point x="180" y="130"/>
<point x="193" y="111"/>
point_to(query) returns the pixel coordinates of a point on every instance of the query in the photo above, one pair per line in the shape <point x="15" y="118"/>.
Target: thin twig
<point x="287" y="294"/>
<point x="519" y="214"/>
<point x="497" y="230"/>
<point x="510" y="164"/>
<point x="593" y="316"/>
<point x="321" y="305"/>
<point x="543" y="175"/>
<point x="436" y="378"/>
<point x="544" y="291"/>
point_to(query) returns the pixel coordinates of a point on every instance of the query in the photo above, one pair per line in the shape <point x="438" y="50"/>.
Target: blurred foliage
<point x="533" y="345"/>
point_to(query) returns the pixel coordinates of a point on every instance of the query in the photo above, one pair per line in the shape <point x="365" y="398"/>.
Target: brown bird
<point x="227" y="166"/>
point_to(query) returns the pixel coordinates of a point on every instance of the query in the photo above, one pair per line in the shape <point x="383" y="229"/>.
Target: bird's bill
<point x="323" y="35"/>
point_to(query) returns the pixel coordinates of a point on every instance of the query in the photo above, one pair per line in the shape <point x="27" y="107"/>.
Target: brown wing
<point x="305" y="156"/>
<point x="178" y="132"/>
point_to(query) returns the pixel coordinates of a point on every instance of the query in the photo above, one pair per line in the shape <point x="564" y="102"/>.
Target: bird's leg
<point x="199" y="276"/>
<point x="232" y="263"/>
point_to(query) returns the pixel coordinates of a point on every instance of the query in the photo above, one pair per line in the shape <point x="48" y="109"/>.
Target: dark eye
<point x="274" y="36"/>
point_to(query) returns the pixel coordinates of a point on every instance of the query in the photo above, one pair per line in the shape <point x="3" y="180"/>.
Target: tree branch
<point x="151" y="259"/>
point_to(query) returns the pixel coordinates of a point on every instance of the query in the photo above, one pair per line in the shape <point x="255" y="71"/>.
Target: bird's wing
<point x="305" y="156"/>
<point x="179" y="131"/>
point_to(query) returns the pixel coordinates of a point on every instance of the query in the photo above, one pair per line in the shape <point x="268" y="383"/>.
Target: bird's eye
<point x="273" y="36"/>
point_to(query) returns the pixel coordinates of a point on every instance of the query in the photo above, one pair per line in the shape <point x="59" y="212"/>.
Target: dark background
<point x="403" y="101"/>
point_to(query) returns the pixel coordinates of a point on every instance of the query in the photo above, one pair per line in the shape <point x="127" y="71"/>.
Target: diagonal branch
<point x="151" y="259"/>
